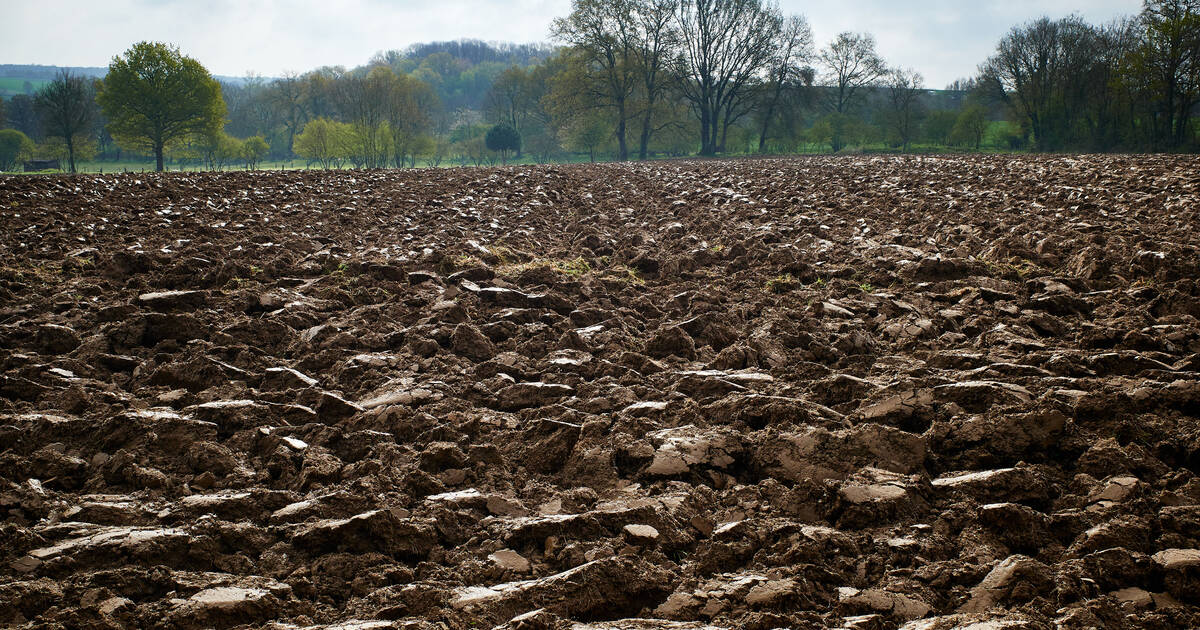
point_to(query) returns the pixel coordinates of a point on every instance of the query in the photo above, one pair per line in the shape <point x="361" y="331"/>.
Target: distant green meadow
<point x="10" y="86"/>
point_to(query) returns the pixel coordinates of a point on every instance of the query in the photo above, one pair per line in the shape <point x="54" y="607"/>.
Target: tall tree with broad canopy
<point x="604" y="34"/>
<point x="726" y="46"/>
<point x="1036" y="72"/>
<point x="153" y="96"/>
<point x="67" y="110"/>
<point x="1168" y="63"/>
<point x="655" y="41"/>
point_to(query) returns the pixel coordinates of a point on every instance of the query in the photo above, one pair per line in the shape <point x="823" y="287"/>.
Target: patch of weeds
<point x="866" y="287"/>
<point x="782" y="283"/>
<point x="572" y="267"/>
<point x="624" y="273"/>
<point x="458" y="262"/>
<point x="575" y="267"/>
<point x="25" y="273"/>
<point x="506" y="255"/>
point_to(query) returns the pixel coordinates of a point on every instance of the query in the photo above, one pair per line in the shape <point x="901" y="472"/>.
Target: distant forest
<point x="637" y="79"/>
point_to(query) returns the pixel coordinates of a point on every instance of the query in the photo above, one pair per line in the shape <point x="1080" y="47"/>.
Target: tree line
<point x="635" y="79"/>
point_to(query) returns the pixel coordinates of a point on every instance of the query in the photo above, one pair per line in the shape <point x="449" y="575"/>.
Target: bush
<point x="254" y="149"/>
<point x="14" y="147"/>
<point x="503" y="138"/>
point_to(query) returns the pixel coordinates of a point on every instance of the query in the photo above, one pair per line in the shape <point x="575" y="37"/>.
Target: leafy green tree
<point x="216" y="149"/>
<point x="22" y="116"/>
<point x="939" y="126"/>
<point x="14" y="147"/>
<point x="602" y="33"/>
<point x="468" y="145"/>
<point x="254" y="149"/>
<point x="153" y="96"/>
<point x="587" y="134"/>
<point x="970" y="127"/>
<point x="324" y="141"/>
<point x="503" y="138"/>
<point x="3" y="114"/>
<point x="1168" y="64"/>
<point x="67" y="109"/>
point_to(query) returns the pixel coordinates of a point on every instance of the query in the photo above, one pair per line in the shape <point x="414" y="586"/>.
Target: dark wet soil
<point x="868" y="393"/>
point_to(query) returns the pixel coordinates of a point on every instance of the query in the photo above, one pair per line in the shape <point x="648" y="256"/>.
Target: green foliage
<point x="503" y="138"/>
<point x="468" y="146"/>
<point x="939" y="126"/>
<point x="154" y="97"/>
<point x="587" y="133"/>
<point x="215" y="149"/>
<point x="55" y="148"/>
<point x="325" y="141"/>
<point x="14" y="147"/>
<point x="970" y="127"/>
<point x="254" y="149"/>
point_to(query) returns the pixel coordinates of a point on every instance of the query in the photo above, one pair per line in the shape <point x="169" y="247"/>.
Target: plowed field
<point x="848" y="392"/>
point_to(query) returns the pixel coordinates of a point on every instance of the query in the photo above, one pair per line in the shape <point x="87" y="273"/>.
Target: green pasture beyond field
<point x="994" y="142"/>
<point x="16" y="85"/>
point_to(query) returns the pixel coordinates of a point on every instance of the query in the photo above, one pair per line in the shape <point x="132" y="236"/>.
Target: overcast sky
<point x="943" y="39"/>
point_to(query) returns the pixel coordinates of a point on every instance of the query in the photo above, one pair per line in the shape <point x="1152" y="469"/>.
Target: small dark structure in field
<point x="42" y="165"/>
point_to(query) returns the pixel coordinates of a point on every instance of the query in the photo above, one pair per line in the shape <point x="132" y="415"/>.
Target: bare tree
<point x="67" y="109"/>
<point x="851" y="64"/>
<point x="511" y="99"/>
<point x="287" y="94"/>
<point x="904" y="92"/>
<point x="789" y="68"/>
<point x="727" y="46"/>
<point x="365" y="102"/>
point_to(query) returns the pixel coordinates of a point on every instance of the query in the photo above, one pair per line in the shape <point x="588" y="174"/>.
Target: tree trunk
<point x="158" y="156"/>
<point x="644" y="141"/>
<point x="71" y="152"/>
<point x="707" y="146"/>
<point x="622" y="147"/>
<point x="762" y="138"/>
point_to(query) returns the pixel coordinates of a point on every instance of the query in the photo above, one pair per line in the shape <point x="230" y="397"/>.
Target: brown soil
<point x="849" y="392"/>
